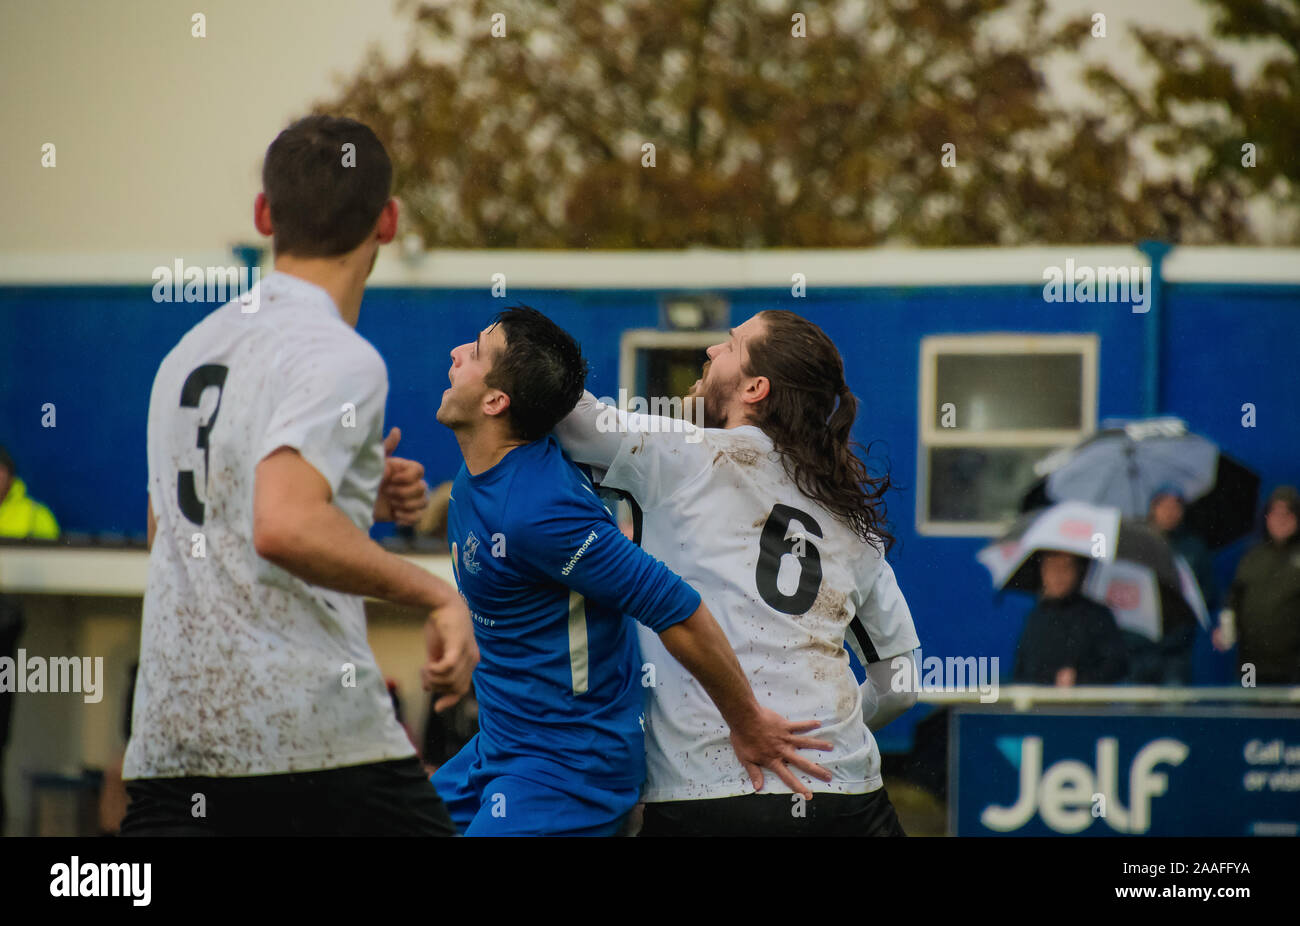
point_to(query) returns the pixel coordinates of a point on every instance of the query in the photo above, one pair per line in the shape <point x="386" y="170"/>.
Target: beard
<point x="709" y="398"/>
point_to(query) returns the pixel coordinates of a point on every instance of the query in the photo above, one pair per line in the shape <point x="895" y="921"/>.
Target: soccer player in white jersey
<point x="771" y="515"/>
<point x="259" y="708"/>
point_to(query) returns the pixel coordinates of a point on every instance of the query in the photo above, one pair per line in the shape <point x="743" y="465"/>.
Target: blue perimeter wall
<point x="92" y="352"/>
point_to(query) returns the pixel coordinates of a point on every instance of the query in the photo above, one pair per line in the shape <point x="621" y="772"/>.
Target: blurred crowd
<point x="1072" y="639"/>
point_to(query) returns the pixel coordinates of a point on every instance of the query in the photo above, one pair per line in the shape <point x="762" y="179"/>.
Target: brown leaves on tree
<point x="762" y="139"/>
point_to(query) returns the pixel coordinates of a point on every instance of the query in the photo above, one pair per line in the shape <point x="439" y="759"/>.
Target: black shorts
<point x="380" y="799"/>
<point x="775" y="815"/>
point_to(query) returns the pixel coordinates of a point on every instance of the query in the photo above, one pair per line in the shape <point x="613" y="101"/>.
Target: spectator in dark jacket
<point x="1068" y="639"/>
<point x="1168" y="661"/>
<point x="1262" y="611"/>
<point x="1166" y="516"/>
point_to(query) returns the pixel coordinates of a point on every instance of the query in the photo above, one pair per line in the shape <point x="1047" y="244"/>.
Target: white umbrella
<point x="1130" y="563"/>
<point x="1071" y="527"/>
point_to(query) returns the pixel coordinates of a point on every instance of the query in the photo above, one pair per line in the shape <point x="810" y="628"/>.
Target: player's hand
<point x="772" y="742"/>
<point x="403" y="493"/>
<point x="452" y="653"/>
<point x="1066" y="676"/>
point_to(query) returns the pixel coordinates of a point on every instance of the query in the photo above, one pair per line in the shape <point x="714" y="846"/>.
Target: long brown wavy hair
<point x="808" y="413"/>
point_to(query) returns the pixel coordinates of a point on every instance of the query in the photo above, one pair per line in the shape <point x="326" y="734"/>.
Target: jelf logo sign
<point x="1069" y="796"/>
<point x="1205" y="771"/>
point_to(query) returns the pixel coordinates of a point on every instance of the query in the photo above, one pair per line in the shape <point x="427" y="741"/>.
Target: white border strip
<point x="1023" y="697"/>
<point x="48" y="570"/>
<point x="1232" y="265"/>
<point x="700" y="269"/>
<point x="708" y="269"/>
<point x="118" y="268"/>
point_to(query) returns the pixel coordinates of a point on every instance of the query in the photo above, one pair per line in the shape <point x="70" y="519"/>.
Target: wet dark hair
<point x="541" y="368"/>
<point x="319" y="206"/>
<point x="809" y="413"/>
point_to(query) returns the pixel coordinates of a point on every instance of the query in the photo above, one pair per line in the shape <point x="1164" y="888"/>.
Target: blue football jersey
<point x="551" y="581"/>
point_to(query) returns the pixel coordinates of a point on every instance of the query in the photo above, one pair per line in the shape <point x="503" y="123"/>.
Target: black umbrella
<point x="1228" y="511"/>
<point x="1220" y="515"/>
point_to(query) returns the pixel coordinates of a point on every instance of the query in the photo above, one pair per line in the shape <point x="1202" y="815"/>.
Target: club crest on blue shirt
<point x="469" y="554"/>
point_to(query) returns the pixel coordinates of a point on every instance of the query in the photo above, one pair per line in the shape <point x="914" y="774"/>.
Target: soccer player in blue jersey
<point x="551" y="581"/>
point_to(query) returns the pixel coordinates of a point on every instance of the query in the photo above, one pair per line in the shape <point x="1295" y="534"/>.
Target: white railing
<point x="1023" y="697"/>
<point x="47" y="570"/>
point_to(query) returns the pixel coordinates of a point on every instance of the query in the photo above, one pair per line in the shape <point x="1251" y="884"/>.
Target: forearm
<point x="884" y="708"/>
<point x="699" y="644"/>
<point x="321" y="546"/>
<point x="885" y="704"/>
<point x="592" y="433"/>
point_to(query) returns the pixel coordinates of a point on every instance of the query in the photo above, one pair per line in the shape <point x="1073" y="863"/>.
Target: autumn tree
<point x="1231" y="134"/>
<point x="736" y="123"/>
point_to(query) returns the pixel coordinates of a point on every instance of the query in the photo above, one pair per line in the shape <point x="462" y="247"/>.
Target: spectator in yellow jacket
<point x="21" y="516"/>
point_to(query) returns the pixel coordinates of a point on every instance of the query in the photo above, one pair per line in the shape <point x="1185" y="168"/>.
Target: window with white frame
<point x="991" y="406"/>
<point x="658" y="368"/>
<point x="659" y="365"/>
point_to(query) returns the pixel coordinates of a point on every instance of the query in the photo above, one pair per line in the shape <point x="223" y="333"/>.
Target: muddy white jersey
<point x="246" y="669"/>
<point x="789" y="583"/>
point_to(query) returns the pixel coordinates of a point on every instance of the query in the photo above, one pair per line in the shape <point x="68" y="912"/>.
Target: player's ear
<point x="495" y="403"/>
<point x="757" y="390"/>
<point x="262" y="215"/>
<point x="387" y="225"/>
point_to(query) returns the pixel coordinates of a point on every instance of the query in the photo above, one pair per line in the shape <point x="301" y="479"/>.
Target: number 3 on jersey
<point x="210" y="374"/>
<point x="773" y="545"/>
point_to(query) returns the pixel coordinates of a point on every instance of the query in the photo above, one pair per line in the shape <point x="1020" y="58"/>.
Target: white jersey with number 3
<point x="246" y="669"/>
<point x="788" y="582"/>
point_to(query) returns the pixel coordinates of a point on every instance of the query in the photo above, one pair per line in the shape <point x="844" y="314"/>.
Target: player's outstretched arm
<point x="649" y="456"/>
<point x="297" y="527"/>
<point x="583" y="437"/>
<point x="762" y="738"/>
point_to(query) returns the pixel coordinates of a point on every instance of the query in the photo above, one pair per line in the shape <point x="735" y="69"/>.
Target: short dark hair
<point x="324" y="199"/>
<point x="541" y="368"/>
<point x="6" y="461"/>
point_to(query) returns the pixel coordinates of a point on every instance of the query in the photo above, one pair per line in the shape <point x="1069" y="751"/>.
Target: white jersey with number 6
<point x="788" y="583"/>
<point x="246" y="669"/>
